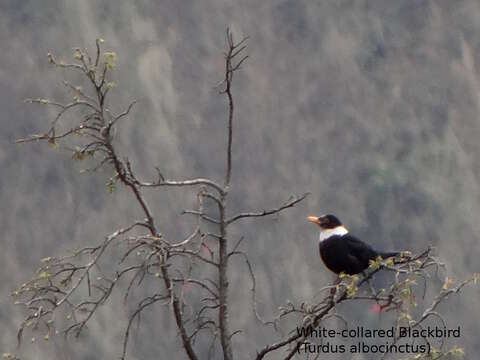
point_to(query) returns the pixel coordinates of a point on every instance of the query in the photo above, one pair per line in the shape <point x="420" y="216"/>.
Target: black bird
<point x="342" y="252"/>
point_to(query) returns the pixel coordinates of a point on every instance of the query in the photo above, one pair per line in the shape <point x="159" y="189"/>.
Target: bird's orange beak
<point x="314" y="219"/>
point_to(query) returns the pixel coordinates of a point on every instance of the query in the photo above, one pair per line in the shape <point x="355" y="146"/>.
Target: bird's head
<point x="329" y="226"/>
<point x="326" y="222"/>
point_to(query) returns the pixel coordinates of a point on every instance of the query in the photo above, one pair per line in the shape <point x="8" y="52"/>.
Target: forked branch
<point x="398" y="297"/>
<point x="147" y="253"/>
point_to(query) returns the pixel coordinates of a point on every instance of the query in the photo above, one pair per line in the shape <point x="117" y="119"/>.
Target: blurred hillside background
<point x="372" y="106"/>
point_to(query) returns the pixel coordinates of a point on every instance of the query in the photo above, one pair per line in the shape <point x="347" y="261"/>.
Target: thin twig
<point x="288" y="204"/>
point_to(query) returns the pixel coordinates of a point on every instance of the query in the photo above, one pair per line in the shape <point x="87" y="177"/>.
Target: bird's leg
<point x="333" y="289"/>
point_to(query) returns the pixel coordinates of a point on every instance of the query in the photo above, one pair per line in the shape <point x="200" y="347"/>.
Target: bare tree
<point x="55" y="299"/>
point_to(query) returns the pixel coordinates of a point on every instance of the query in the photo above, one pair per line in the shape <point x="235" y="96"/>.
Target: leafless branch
<point x="396" y="298"/>
<point x="288" y="204"/>
<point x="142" y="306"/>
<point x="253" y="289"/>
<point x="180" y="183"/>
<point x="146" y="253"/>
<point x="98" y="127"/>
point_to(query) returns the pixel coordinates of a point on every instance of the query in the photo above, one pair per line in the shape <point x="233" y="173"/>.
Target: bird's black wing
<point x="359" y="250"/>
<point x="346" y="253"/>
<point x="357" y="246"/>
<point x="366" y="250"/>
